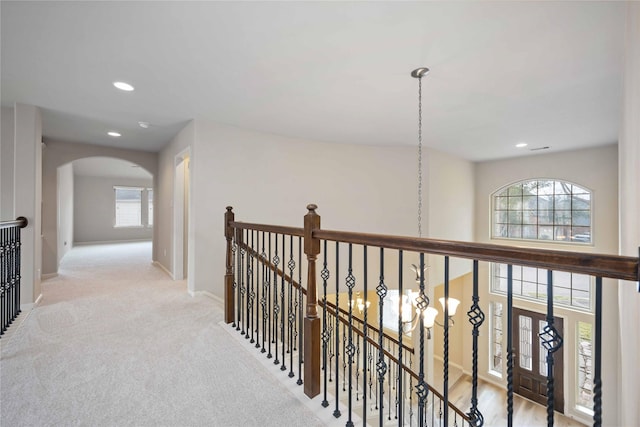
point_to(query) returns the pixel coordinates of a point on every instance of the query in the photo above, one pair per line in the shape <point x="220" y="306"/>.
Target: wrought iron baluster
<point x="365" y="335"/>
<point x="259" y="269"/>
<point x="326" y="336"/>
<point x="410" y="391"/>
<point x="551" y="341"/>
<point x="249" y="274"/>
<point x="236" y="278"/>
<point x="597" y="360"/>
<point x="283" y="306"/>
<point x="510" y="352"/>
<point x="336" y="329"/>
<point x="399" y="390"/>
<point x="265" y="295"/>
<point x="269" y="305"/>
<point x="243" y="284"/>
<point x="357" y="368"/>
<point x="300" y="312"/>
<point x="291" y="316"/>
<point x="276" y="304"/>
<point x="350" y="348"/>
<point x="445" y="390"/>
<point x="476" y="318"/>
<point x="381" y="366"/>
<point x="422" y="389"/>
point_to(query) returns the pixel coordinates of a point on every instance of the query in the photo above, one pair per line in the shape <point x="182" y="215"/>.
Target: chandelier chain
<point x="420" y="157"/>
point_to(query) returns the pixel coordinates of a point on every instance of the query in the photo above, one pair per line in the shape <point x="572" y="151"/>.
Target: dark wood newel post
<point x="311" y="320"/>
<point x="228" y="275"/>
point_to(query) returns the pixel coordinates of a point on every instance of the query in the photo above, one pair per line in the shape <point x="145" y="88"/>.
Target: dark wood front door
<point x="530" y="364"/>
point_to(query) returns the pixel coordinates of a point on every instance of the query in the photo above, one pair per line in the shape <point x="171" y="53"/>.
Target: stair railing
<point x="10" y="271"/>
<point x="362" y="357"/>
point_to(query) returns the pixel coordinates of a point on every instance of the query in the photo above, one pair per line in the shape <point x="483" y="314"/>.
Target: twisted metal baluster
<point x="236" y="292"/>
<point x="292" y="316"/>
<point x="597" y="368"/>
<point x="276" y="304"/>
<point x="350" y="348"/>
<point x="269" y="301"/>
<point x="365" y="334"/>
<point x="510" y="352"/>
<point x="476" y="318"/>
<point x="399" y="390"/>
<point x="325" y="332"/>
<point x="243" y="290"/>
<point x="282" y="306"/>
<point x="300" y="313"/>
<point x="422" y="389"/>
<point x="265" y="295"/>
<point x="445" y="390"/>
<point x="250" y="295"/>
<point x="336" y="329"/>
<point x="552" y="342"/>
<point x="381" y="366"/>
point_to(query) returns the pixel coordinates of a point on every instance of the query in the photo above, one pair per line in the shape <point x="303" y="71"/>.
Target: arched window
<point x="543" y="209"/>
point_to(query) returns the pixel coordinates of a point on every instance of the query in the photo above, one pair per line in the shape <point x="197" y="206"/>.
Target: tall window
<point x="569" y="289"/>
<point x="495" y="356"/>
<point x="585" y="374"/>
<point x="543" y="210"/>
<point x="150" y="206"/>
<point x="128" y="207"/>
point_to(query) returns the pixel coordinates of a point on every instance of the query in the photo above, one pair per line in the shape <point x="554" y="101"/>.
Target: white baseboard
<point x="163" y="268"/>
<point x="29" y="306"/>
<point x="48" y="276"/>
<point x="109" y="242"/>
<point x="207" y="294"/>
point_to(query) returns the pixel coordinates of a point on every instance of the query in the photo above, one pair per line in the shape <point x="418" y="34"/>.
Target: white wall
<point x="450" y="204"/>
<point x="596" y="169"/>
<point x="28" y="195"/>
<point x="7" y="148"/>
<point x="629" y="159"/>
<point x="270" y="179"/>
<point x="163" y="239"/>
<point x="65" y="210"/>
<point x="59" y="153"/>
<point x="94" y="210"/>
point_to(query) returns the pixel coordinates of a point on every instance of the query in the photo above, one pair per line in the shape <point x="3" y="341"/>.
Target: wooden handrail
<point x="21" y="222"/>
<point x="611" y="266"/>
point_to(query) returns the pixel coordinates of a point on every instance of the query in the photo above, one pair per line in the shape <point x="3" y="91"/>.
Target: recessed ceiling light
<point x="521" y="145"/>
<point x="123" y="86"/>
<point x="144" y="125"/>
<point x="114" y="134"/>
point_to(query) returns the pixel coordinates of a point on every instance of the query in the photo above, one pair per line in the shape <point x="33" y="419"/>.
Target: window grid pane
<point x="128" y="207"/>
<point x="569" y="289"/>
<point x="543" y="210"/>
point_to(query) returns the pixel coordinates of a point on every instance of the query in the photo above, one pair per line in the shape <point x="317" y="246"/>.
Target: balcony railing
<point x="10" y="271"/>
<point x="349" y="357"/>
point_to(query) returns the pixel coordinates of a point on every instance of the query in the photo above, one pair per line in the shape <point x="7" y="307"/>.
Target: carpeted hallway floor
<point x="115" y="342"/>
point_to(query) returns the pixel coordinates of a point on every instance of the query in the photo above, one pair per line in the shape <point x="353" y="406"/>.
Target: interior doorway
<point x="530" y="368"/>
<point x="181" y="196"/>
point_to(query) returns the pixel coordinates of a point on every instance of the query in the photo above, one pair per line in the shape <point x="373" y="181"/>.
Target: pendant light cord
<point x="420" y="157"/>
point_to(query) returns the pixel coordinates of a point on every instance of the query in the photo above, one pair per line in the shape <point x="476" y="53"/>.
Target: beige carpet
<point x="116" y="342"/>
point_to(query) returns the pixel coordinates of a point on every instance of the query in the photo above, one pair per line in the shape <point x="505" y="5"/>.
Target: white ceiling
<point x="547" y="73"/>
